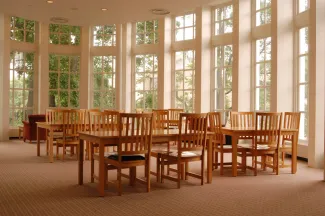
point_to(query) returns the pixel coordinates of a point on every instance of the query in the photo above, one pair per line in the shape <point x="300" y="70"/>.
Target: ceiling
<point x="88" y="12"/>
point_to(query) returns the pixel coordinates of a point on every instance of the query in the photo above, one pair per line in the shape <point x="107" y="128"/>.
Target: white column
<point x="164" y="63"/>
<point x="316" y="84"/>
<point x="282" y="32"/>
<point x="203" y="60"/>
<point x="4" y="76"/>
<point x="43" y="66"/>
<point x="84" y="67"/>
<point x="126" y="74"/>
<point x="118" y="77"/>
<point x="241" y="77"/>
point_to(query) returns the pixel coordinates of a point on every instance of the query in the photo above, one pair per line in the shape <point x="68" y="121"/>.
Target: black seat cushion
<point x="127" y="157"/>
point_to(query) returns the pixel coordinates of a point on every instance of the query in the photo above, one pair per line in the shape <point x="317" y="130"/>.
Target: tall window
<point x="223" y="20"/>
<point x="21" y="87"/>
<point x="22" y="30"/>
<point x="303" y="5"/>
<point x="223" y="80"/>
<point x="263" y="75"/>
<point x="64" y="81"/>
<point x="147" y="32"/>
<point x="185" y="80"/>
<point x="146" y="81"/>
<point x="303" y="79"/>
<point x="64" y="34"/>
<point x="185" y="27"/>
<point x="263" y="12"/>
<point x="104" y="82"/>
<point x="104" y="35"/>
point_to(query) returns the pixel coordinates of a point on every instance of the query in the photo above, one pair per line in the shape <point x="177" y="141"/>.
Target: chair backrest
<point x="192" y="132"/>
<point x="268" y="129"/>
<point x="54" y="116"/>
<point x="215" y="126"/>
<point x="32" y="119"/>
<point x="291" y="121"/>
<point x="109" y="110"/>
<point x="103" y="121"/>
<point x="160" y="119"/>
<point x="174" y="116"/>
<point x="242" y="119"/>
<point x="136" y="136"/>
<point x="73" y="122"/>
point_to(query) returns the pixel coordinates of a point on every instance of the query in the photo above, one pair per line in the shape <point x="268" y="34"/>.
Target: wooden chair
<point x="190" y="148"/>
<point x="73" y="122"/>
<point x="134" y="148"/>
<point x="160" y="122"/>
<point x="266" y="140"/>
<point x="243" y="119"/>
<point x="101" y="121"/>
<point x="53" y="116"/>
<point x="174" y="117"/>
<point x="215" y="125"/>
<point x="291" y="121"/>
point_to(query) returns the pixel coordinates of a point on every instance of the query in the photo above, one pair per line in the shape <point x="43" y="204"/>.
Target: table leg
<point x="209" y="162"/>
<point x="38" y="142"/>
<point x="294" y="153"/>
<point x="234" y="154"/>
<point x="51" y="146"/>
<point x="81" y="162"/>
<point x="101" y="174"/>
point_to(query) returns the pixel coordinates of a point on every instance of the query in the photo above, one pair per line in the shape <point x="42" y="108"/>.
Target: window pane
<point x="303" y="5"/>
<point x="303" y="69"/>
<point x="303" y="40"/>
<point x="303" y="98"/>
<point x="260" y="99"/>
<point x="303" y="130"/>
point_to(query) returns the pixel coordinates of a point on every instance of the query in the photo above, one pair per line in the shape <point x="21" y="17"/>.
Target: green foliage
<point x="22" y="30"/>
<point x="147" y="32"/>
<point x="105" y="35"/>
<point x="64" y="34"/>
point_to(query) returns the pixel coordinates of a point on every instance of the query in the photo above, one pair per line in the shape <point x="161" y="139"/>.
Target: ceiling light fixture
<point x="50" y="2"/>
<point x="74" y="9"/>
<point x="159" y="11"/>
<point x="59" y="20"/>
<point x="104" y="9"/>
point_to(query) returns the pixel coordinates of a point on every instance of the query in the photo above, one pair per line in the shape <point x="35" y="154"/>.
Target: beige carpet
<point x="29" y="185"/>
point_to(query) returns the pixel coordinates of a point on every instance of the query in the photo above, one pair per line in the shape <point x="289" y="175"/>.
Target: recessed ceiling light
<point x="159" y="11"/>
<point x="104" y="9"/>
<point x="49" y="1"/>
<point x="59" y="20"/>
<point x="74" y="9"/>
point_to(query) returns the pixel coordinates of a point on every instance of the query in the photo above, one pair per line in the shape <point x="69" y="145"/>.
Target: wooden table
<point x="51" y="128"/>
<point x="235" y="132"/>
<point x="104" y="138"/>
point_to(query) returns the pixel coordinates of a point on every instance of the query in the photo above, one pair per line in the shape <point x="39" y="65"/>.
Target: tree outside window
<point x="22" y="30"/>
<point x="64" y="34"/>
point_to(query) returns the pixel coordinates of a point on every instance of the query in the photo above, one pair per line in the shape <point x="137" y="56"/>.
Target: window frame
<point x="59" y="34"/>
<point x="13" y="89"/>
<point x="214" y="21"/>
<point x="174" y="70"/>
<point x="102" y="89"/>
<point x="155" y="75"/>
<point x="254" y="20"/>
<point x="265" y="87"/>
<point x="113" y="36"/>
<point x="215" y="87"/>
<point x="174" y="29"/>
<point x="69" y="73"/>
<point x="144" y="33"/>
<point x="13" y="29"/>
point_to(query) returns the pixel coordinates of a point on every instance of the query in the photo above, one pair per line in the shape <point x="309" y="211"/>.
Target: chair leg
<point x="221" y="163"/>
<point x="162" y="170"/>
<point x="57" y="151"/>
<point x="119" y="181"/>
<point x="92" y="163"/>
<point x="255" y="165"/>
<point x="202" y="170"/>
<point x="217" y="160"/>
<point x="179" y="172"/>
<point x="64" y="151"/>
<point x="148" y="174"/>
<point x="186" y="170"/>
<point x="263" y="162"/>
<point x="158" y="167"/>
<point x="276" y="163"/>
<point x="133" y="175"/>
